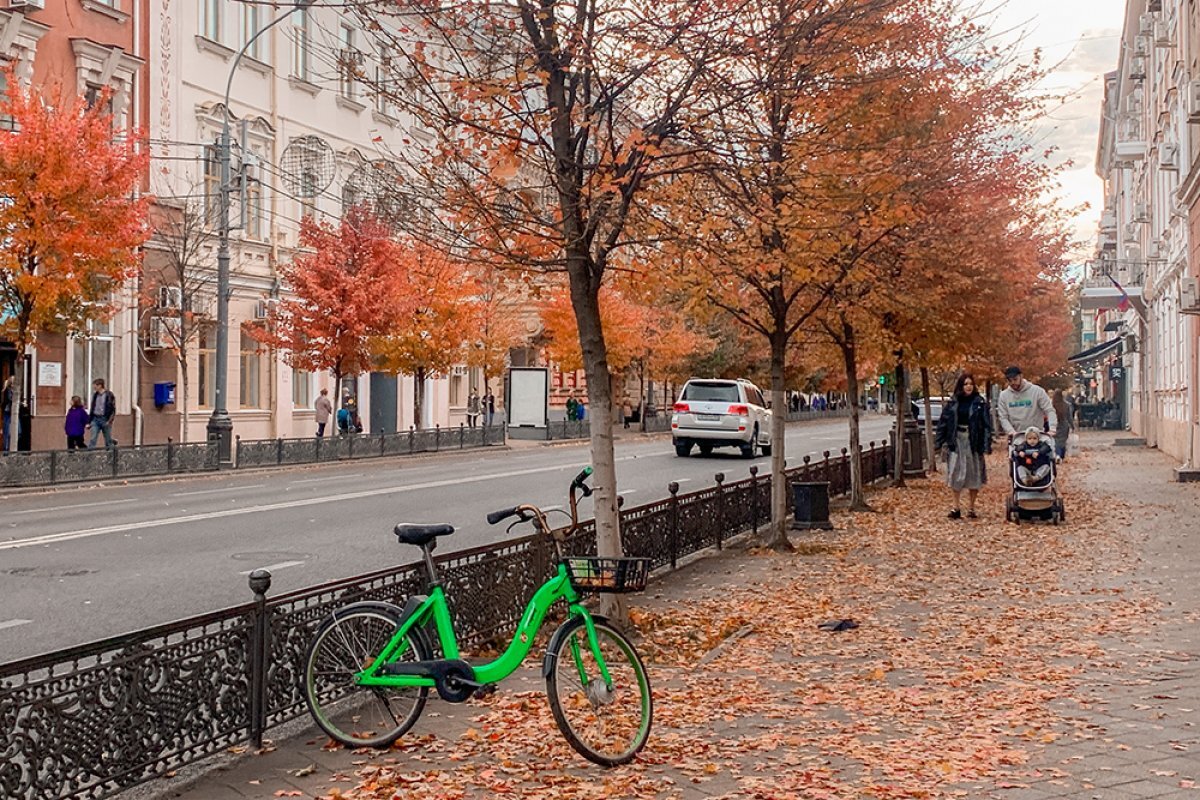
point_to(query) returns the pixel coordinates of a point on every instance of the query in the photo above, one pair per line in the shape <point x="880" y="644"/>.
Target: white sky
<point x="1080" y="38"/>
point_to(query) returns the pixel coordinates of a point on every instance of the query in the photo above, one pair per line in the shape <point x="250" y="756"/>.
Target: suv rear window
<point x="711" y="392"/>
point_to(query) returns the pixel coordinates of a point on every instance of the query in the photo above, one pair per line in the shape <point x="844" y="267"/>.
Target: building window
<point x="383" y="84"/>
<point x="7" y="123"/>
<point x="91" y="358"/>
<point x="251" y="25"/>
<point x="301" y="45"/>
<point x="212" y="183"/>
<point x="301" y="389"/>
<point x="458" y="387"/>
<point x="206" y="359"/>
<point x="348" y="62"/>
<point x="254" y="210"/>
<point x="251" y="372"/>
<point x="308" y="193"/>
<point x="210" y="19"/>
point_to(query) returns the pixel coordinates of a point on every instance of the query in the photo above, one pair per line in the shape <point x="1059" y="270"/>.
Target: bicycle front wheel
<point x="361" y="716"/>
<point x="607" y="723"/>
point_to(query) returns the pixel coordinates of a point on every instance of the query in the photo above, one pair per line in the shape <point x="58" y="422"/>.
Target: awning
<point x="1097" y="352"/>
<point x="1114" y="326"/>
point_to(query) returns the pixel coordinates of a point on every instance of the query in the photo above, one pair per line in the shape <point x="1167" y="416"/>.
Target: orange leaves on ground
<point x="71" y="224"/>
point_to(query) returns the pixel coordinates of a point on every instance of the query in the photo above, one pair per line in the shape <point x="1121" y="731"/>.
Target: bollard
<point x="721" y="515"/>
<point x="754" y="499"/>
<point x="673" y="488"/>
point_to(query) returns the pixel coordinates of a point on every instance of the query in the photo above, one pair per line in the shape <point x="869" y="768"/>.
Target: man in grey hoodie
<point x="1024" y="405"/>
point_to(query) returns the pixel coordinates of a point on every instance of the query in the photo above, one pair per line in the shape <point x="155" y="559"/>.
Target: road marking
<point x="53" y="538"/>
<point x="80" y="505"/>
<point x="330" y="478"/>
<point x="275" y="567"/>
<point x="217" y="491"/>
<point x="12" y="623"/>
<point x="628" y="491"/>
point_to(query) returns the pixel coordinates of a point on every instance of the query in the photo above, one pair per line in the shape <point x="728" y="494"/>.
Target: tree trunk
<point x="418" y="397"/>
<point x="183" y="434"/>
<point x="586" y="304"/>
<point x="928" y="420"/>
<point x="858" y="501"/>
<point x="642" y="396"/>
<point x="902" y="402"/>
<point x="776" y="536"/>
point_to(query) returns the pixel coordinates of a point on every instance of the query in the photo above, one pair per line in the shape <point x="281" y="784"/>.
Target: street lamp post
<point x="220" y="425"/>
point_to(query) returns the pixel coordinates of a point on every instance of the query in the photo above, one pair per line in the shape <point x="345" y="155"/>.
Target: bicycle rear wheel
<point x="360" y="716"/>
<point x="606" y="724"/>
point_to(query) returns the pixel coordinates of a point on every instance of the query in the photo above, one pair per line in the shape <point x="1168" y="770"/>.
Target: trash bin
<point x="164" y="394"/>
<point x="810" y="504"/>
<point x="912" y="451"/>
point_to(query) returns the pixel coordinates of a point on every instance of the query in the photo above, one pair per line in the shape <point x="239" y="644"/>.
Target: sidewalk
<point x="991" y="661"/>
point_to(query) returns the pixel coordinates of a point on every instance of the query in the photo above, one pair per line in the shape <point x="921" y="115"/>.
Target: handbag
<point x="1073" y="444"/>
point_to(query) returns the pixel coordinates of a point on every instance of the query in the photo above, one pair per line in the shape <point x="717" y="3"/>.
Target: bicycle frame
<point x="436" y="609"/>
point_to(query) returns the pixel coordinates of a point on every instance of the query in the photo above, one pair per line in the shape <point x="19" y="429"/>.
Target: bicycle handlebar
<point x="502" y="514"/>
<point x="580" y="482"/>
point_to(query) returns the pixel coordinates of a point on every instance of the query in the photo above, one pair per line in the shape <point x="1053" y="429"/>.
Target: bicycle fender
<point x="390" y="609"/>
<point x="563" y="631"/>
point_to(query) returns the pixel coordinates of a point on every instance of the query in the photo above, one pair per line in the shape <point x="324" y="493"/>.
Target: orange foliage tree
<point x="442" y="320"/>
<point x="71" y="224"/>
<point x="341" y="295"/>
<point x="499" y="322"/>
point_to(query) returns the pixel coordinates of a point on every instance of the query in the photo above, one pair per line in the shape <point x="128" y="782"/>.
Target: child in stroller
<point x="1034" y="459"/>
<point x="1034" y="494"/>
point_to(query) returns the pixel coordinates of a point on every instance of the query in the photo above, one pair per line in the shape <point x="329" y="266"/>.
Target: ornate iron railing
<point x="48" y="467"/>
<point x="89" y="721"/>
<point x="312" y="450"/>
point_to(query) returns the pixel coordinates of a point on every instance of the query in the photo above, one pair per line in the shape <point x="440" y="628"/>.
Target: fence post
<point x="673" y="488"/>
<point x="437" y="438"/>
<point x="116" y="464"/>
<point x="53" y="466"/>
<point x="844" y="474"/>
<point x="382" y="444"/>
<point x="170" y="456"/>
<point x="462" y="436"/>
<point x="754" y="499"/>
<point x="721" y="515"/>
<point x="350" y="444"/>
<point x="412" y="435"/>
<point x="260" y="582"/>
<point x="806" y="472"/>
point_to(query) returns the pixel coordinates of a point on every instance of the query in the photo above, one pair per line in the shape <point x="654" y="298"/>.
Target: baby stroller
<point x="1034" y="495"/>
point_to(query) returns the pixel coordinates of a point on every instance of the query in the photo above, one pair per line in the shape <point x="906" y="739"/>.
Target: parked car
<point x="721" y="413"/>
<point x="936" y="404"/>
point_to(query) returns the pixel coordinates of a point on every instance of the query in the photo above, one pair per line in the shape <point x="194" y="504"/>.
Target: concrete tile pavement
<point x="1121" y="706"/>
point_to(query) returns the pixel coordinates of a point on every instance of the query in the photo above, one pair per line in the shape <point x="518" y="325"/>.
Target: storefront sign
<point x="1116" y="373"/>
<point x="50" y="373"/>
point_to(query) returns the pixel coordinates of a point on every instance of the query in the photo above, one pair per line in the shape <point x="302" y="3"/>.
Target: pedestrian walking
<point x="76" y="424"/>
<point x="1066" y="422"/>
<point x="345" y="418"/>
<point x="1025" y="405"/>
<point x="323" y="410"/>
<point x="490" y="403"/>
<point x="6" y="401"/>
<point x="964" y="437"/>
<point x="102" y="411"/>
<point x="581" y="411"/>
<point x="472" y="409"/>
<point x="627" y="411"/>
<point x="572" y="407"/>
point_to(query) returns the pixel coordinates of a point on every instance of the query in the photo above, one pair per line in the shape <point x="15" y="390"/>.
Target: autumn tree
<point x="341" y="295"/>
<point x="70" y="219"/>
<point x="549" y="118"/>
<point x="183" y="239"/>
<point x="500" y="322"/>
<point x="441" y="323"/>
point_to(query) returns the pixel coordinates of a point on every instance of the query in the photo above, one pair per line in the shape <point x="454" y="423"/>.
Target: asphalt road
<point x="83" y="564"/>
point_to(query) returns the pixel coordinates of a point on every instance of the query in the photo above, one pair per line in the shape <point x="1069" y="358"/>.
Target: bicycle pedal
<point x="484" y="691"/>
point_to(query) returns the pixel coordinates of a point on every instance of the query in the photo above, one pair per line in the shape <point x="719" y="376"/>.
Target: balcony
<point x="1108" y="222"/>
<point x="1131" y="141"/>
<point x="1099" y="291"/>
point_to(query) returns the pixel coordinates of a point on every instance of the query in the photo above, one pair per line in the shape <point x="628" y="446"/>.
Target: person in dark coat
<point x="964" y="437"/>
<point x="76" y="424"/>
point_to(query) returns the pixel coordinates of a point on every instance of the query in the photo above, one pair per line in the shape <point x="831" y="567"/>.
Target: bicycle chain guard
<point x="455" y="682"/>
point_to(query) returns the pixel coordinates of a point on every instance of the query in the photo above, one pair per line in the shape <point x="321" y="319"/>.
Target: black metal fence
<point x="48" y="467"/>
<point x="312" y="450"/>
<point x="89" y="721"/>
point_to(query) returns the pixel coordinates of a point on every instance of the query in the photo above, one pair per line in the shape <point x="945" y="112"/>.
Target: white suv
<point x="721" y="413"/>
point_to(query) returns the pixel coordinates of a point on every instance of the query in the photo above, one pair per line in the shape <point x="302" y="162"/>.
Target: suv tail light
<point x="682" y="407"/>
<point x="740" y="410"/>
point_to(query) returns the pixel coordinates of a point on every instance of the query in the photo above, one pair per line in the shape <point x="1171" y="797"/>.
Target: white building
<point x="1145" y="356"/>
<point x="291" y="84"/>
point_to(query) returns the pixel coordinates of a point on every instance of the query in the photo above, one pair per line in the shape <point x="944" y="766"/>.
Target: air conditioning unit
<point x="1193" y="101"/>
<point x="170" y="297"/>
<point x="1162" y="34"/>
<point x="163" y="333"/>
<point x="1189" y="296"/>
<point x="1141" y="45"/>
<point x="1137" y="69"/>
<point x="34" y="4"/>
<point x="202" y="304"/>
<point x="1154" y="251"/>
<point x="1166" y="157"/>
<point x="1141" y="212"/>
<point x="1146" y="24"/>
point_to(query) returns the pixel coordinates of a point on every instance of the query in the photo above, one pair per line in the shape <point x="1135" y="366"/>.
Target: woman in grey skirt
<point x="964" y="437"/>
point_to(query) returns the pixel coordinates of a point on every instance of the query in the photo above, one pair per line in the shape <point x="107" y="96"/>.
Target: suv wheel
<point x="749" y="448"/>
<point x="683" y="449"/>
<point x="765" y="449"/>
<point x="706" y="450"/>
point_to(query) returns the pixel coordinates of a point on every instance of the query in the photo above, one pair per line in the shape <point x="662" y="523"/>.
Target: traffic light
<point x="883" y="380"/>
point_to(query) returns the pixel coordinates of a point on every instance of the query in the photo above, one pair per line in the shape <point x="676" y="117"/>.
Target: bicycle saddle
<point x="421" y="535"/>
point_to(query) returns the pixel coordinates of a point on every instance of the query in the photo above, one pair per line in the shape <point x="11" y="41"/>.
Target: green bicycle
<point x="370" y="666"/>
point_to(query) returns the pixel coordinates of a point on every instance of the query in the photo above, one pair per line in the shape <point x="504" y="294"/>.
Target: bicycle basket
<point x="610" y="575"/>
